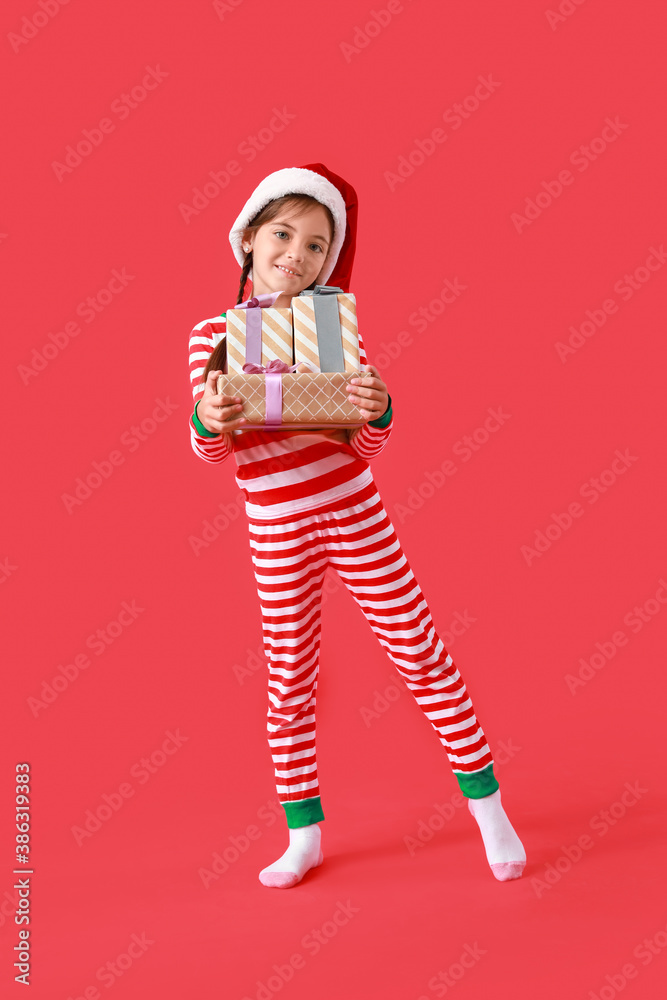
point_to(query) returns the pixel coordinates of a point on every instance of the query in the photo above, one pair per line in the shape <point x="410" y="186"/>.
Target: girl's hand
<point x="217" y="412"/>
<point x="369" y="394"/>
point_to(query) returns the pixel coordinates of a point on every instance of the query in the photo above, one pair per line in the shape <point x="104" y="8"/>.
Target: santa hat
<point x="327" y="188"/>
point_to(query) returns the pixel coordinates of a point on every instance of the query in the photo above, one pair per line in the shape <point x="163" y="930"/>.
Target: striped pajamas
<point x="360" y="543"/>
<point x="311" y="502"/>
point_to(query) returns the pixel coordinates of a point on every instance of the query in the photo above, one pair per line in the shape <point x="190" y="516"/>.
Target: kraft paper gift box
<point x="325" y="329"/>
<point x="276" y="397"/>
<point x="258" y="332"/>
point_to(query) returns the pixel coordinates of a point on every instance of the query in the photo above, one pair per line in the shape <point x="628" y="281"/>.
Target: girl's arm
<point x="370" y="439"/>
<point x="211" y="448"/>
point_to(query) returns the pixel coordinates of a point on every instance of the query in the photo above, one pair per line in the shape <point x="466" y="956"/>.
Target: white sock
<point x="304" y="852"/>
<point x="504" y="850"/>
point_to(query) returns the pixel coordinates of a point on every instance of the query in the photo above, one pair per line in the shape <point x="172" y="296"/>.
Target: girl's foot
<point x="304" y="852"/>
<point x="504" y="850"/>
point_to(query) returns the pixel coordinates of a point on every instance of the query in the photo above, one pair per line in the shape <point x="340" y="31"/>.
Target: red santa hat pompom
<point x="326" y="187"/>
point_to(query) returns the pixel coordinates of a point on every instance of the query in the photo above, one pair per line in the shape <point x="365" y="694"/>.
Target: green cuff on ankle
<point x="478" y="784"/>
<point x="303" y="812"/>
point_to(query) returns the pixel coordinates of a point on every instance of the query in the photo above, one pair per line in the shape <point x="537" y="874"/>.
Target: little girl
<point x="311" y="502"/>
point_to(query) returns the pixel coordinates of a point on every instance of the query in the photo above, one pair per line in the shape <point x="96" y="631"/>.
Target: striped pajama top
<point x="283" y="474"/>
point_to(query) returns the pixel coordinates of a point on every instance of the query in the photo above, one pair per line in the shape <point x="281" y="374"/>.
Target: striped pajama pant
<point x="359" y="541"/>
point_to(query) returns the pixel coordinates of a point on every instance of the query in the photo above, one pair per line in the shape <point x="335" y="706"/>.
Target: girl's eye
<point x="281" y="232"/>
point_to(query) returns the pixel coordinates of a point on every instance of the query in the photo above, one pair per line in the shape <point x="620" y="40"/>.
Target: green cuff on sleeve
<point x="385" y="418"/>
<point x="199" y="427"/>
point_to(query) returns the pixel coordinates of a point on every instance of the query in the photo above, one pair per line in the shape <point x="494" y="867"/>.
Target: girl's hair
<point x="301" y="203"/>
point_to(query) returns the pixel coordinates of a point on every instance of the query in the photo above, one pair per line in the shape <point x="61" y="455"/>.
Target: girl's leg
<point x="364" y="549"/>
<point x="289" y="562"/>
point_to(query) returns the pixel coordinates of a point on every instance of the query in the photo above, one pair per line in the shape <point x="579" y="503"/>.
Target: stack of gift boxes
<point x="290" y="366"/>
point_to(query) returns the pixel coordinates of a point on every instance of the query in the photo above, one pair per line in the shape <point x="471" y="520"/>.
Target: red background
<point x="67" y="574"/>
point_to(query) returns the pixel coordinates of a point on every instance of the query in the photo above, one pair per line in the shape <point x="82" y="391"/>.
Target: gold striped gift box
<point x="306" y="346"/>
<point x="276" y="337"/>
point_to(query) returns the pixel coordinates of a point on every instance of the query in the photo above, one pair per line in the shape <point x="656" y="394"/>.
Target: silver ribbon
<point x="327" y="327"/>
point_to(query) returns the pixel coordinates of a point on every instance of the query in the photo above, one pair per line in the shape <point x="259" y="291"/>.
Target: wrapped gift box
<point x="325" y="329"/>
<point x="258" y="332"/>
<point x="284" y="400"/>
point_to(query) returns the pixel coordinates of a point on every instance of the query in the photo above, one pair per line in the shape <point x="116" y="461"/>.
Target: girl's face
<point x="288" y="252"/>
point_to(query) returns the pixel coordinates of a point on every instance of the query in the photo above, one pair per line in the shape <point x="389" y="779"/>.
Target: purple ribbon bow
<point x="274" y="385"/>
<point x="253" y="328"/>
